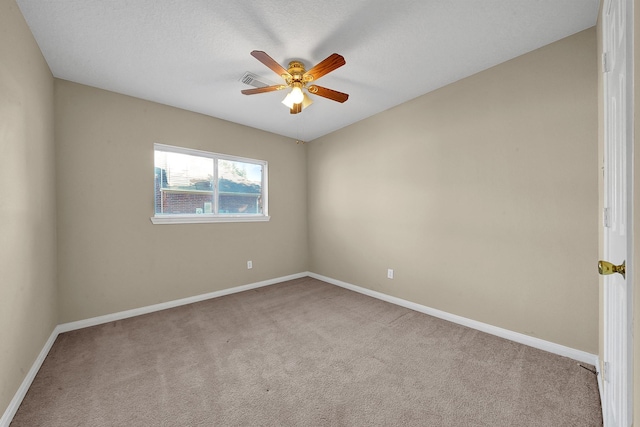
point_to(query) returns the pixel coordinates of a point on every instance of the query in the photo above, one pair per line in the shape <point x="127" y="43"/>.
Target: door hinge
<point x="605" y="63"/>
<point x="606" y="217"/>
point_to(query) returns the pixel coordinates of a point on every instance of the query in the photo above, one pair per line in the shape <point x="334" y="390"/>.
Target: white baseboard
<point x="71" y="326"/>
<point x="561" y="350"/>
<point x="26" y="383"/>
<point x="600" y="384"/>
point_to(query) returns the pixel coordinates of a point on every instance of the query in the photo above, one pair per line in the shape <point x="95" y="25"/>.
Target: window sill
<point x="204" y="219"/>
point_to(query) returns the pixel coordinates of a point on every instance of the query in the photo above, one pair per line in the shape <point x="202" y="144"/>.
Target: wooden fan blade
<point x="331" y="94"/>
<point x="326" y="66"/>
<point x="296" y="108"/>
<point x="262" y="89"/>
<point x="269" y="62"/>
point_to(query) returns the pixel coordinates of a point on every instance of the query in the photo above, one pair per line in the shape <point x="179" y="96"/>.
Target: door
<point x="618" y="133"/>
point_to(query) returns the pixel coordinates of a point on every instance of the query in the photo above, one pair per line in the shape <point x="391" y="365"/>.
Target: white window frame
<point x="209" y="218"/>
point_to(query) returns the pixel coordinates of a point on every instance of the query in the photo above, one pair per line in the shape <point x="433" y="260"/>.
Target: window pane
<point x="184" y="183"/>
<point x="194" y="186"/>
<point x="239" y="187"/>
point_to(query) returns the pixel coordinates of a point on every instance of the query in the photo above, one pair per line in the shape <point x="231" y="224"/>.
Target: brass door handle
<point x="605" y="268"/>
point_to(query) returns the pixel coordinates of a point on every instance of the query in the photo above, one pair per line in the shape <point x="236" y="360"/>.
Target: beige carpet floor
<point x="302" y="353"/>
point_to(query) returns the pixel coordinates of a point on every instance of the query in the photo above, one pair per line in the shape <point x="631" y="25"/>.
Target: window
<point x="193" y="186"/>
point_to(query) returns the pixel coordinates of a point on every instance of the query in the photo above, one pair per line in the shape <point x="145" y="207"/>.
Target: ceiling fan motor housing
<point x="296" y="73"/>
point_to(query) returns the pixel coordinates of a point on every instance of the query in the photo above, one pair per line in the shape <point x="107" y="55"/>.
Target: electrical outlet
<point x="249" y="265"/>
<point x="390" y="273"/>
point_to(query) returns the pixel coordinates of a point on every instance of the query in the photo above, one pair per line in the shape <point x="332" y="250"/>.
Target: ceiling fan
<point x="297" y="78"/>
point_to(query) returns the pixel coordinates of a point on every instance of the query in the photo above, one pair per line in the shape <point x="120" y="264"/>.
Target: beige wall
<point x="481" y="195"/>
<point x="27" y="202"/>
<point x="110" y="256"/>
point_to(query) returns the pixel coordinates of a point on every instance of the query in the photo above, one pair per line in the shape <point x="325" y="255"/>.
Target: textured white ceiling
<point x="192" y="53"/>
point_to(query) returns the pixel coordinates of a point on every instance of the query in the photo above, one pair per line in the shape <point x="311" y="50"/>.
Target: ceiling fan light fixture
<point x="306" y="101"/>
<point x="287" y="101"/>
<point x="296" y="93"/>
